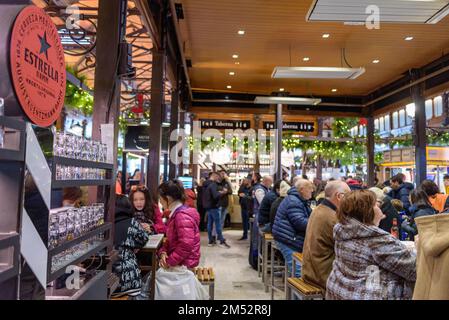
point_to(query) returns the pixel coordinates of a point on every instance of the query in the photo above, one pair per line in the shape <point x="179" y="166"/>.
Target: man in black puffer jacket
<point x="265" y="206"/>
<point x="290" y="223"/>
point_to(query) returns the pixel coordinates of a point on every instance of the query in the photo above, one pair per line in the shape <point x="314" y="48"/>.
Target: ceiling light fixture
<point x="241" y="32"/>
<point x="409" y="38"/>
<point x="334" y="90"/>
<point x="316" y="73"/>
<point x="282" y="89"/>
<point x="326" y="35"/>
<point x="376" y="61"/>
<point x="306" y="59"/>
<point x="232" y="73"/>
<point x="237" y="62"/>
<point x="287" y="100"/>
<point x="235" y="56"/>
<point x="229" y="87"/>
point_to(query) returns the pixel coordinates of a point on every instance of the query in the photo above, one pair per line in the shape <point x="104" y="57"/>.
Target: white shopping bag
<point x="178" y="283"/>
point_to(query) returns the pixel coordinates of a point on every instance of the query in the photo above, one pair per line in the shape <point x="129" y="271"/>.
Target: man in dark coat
<point x="401" y="190"/>
<point x="290" y="224"/>
<point x="265" y="206"/>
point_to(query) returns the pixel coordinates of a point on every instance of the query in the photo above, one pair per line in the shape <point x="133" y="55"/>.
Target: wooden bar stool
<point x="268" y="240"/>
<point x="297" y="287"/>
<point x="206" y="277"/>
<point x="276" y="265"/>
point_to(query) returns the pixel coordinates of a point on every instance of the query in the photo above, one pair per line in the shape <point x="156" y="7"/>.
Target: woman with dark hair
<point x="421" y="206"/>
<point x="370" y="264"/>
<point x="130" y="236"/>
<point x="146" y="210"/>
<point x="439" y="201"/>
<point x="182" y="247"/>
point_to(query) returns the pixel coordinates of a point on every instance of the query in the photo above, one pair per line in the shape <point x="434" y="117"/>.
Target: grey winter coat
<point x="370" y="264"/>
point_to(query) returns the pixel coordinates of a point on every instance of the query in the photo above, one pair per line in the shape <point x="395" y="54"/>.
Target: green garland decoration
<point x="77" y="98"/>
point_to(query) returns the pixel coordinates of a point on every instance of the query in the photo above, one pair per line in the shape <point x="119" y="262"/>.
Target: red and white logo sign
<point x="38" y="66"/>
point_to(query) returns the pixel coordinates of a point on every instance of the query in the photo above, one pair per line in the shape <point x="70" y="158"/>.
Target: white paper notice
<point x="107" y="137"/>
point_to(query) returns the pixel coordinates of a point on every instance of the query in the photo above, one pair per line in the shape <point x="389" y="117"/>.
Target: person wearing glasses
<point x="318" y="250"/>
<point x="146" y="210"/>
<point x="182" y="247"/>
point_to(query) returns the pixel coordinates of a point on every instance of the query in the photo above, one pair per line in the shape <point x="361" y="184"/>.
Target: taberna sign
<point x="225" y="124"/>
<point x="37" y="66"/>
<point x="306" y="126"/>
<point x="137" y="139"/>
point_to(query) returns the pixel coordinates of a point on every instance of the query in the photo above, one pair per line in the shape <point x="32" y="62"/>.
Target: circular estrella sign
<point x="38" y="66"/>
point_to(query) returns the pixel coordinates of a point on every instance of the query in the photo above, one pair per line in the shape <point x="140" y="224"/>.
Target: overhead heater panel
<point x="390" y="11"/>
<point x="287" y="100"/>
<point x="316" y="73"/>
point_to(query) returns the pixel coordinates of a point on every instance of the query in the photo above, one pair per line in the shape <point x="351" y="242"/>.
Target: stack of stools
<point x="297" y="287"/>
<point x="277" y="263"/>
<point x="206" y="277"/>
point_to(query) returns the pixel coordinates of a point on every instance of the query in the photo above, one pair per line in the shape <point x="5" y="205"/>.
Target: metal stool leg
<point x="212" y="291"/>
<point x="265" y="264"/>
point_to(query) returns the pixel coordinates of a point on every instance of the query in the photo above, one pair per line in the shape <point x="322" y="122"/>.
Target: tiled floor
<point x="234" y="277"/>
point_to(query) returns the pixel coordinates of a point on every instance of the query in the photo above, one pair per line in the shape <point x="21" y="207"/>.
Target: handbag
<point x="178" y="283"/>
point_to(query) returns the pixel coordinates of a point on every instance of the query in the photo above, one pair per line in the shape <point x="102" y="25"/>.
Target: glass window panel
<point x="387" y="122"/>
<point x="401" y="118"/>
<point x="429" y="109"/>
<point x="381" y="124"/>
<point x="395" y="120"/>
<point x="438" y="101"/>
<point x="376" y="124"/>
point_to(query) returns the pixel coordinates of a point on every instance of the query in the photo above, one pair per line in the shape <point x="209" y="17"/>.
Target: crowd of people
<point x="357" y="242"/>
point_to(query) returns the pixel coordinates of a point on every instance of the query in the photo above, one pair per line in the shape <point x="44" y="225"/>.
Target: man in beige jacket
<point x="318" y="252"/>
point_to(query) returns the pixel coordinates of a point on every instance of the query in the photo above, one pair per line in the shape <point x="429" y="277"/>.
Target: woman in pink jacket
<point x="182" y="247"/>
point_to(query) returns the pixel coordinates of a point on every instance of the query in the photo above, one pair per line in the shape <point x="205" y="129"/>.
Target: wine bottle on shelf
<point x="394" y="229"/>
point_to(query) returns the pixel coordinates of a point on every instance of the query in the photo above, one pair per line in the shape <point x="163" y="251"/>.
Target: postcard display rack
<point x="74" y="234"/>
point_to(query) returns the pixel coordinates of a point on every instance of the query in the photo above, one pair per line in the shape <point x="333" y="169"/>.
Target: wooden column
<point x="174" y="119"/>
<point x="194" y="166"/>
<point x="278" y="146"/>
<point x="370" y="151"/>
<point x="256" y="128"/>
<point x="419" y="130"/>
<point x="182" y="121"/>
<point x="319" y="167"/>
<point x="111" y="15"/>
<point x="155" y="128"/>
<point x="124" y="171"/>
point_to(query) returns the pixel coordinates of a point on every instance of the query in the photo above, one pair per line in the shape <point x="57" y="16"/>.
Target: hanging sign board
<point x="137" y="139"/>
<point x="396" y="156"/>
<point x="306" y="127"/>
<point x="437" y="153"/>
<point x="225" y="124"/>
<point x="37" y="66"/>
<point x="408" y="155"/>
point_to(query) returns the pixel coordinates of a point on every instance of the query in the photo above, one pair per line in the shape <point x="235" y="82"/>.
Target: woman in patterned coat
<point x="370" y="264"/>
<point x="130" y="236"/>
